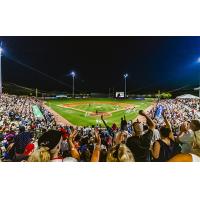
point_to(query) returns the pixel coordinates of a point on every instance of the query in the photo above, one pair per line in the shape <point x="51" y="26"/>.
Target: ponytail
<point x="44" y="154"/>
<point x="40" y="155"/>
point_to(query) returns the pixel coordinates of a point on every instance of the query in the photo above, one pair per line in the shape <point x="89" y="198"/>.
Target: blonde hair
<point x="44" y="154"/>
<point x="120" y="153"/>
<point x="40" y="155"/>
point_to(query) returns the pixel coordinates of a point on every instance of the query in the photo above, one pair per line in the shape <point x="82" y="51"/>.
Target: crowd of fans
<point x="169" y="132"/>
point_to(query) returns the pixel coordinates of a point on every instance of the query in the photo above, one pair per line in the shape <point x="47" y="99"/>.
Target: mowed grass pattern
<point x="79" y="118"/>
<point x="100" y="107"/>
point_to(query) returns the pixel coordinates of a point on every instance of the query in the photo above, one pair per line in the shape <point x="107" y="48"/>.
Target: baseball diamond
<point x="87" y="112"/>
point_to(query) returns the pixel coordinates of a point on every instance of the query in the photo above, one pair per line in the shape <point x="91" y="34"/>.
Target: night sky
<point x="153" y="63"/>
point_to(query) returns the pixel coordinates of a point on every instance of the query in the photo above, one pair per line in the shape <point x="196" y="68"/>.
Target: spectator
<point x="139" y="144"/>
<point x="124" y="124"/>
<point x="120" y="153"/>
<point x="185" y="138"/>
<point x="195" y="127"/>
<point x="165" y="148"/>
<point x="48" y="148"/>
<point x="21" y="141"/>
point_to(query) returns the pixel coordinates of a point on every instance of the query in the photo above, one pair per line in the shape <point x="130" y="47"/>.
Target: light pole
<point x="1" y="50"/>
<point x="125" y="77"/>
<point x="73" y="76"/>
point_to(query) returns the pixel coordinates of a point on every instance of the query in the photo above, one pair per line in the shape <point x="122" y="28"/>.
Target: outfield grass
<point x="78" y="117"/>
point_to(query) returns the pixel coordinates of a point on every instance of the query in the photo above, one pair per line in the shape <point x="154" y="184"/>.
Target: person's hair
<point x="120" y="153"/>
<point x="21" y="129"/>
<point x="103" y="155"/>
<point x="85" y="155"/>
<point x="196" y="125"/>
<point x="46" y="146"/>
<point x="84" y="141"/>
<point x="40" y="155"/>
<point x="164" y="132"/>
<point x="136" y="131"/>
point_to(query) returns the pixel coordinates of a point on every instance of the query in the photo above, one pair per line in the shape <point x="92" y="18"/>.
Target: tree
<point x="165" y="95"/>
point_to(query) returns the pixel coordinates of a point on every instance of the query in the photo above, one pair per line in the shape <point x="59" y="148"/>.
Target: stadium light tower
<point x="125" y="77"/>
<point x="73" y="76"/>
<point x="1" y="50"/>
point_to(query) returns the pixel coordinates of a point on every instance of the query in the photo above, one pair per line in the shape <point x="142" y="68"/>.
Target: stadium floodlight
<point x="198" y="60"/>
<point x="125" y="77"/>
<point x="73" y="76"/>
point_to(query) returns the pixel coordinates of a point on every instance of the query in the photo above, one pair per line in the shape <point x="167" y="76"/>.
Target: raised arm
<point x="97" y="149"/>
<point x="155" y="151"/>
<point x="73" y="150"/>
<point x="149" y="120"/>
<point x="104" y="122"/>
<point x="168" y="125"/>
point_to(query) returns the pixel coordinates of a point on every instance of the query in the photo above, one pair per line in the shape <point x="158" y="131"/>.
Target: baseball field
<point x="85" y="112"/>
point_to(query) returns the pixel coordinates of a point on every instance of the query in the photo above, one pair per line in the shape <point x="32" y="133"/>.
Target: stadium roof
<point x="187" y="96"/>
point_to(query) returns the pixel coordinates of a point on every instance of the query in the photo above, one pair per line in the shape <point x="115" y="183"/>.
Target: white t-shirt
<point x="187" y="140"/>
<point x="156" y="136"/>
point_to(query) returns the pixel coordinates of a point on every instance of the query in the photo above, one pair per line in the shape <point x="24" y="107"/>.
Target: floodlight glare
<point x="125" y="75"/>
<point x="198" y="60"/>
<point x="73" y="74"/>
<point x="1" y="50"/>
